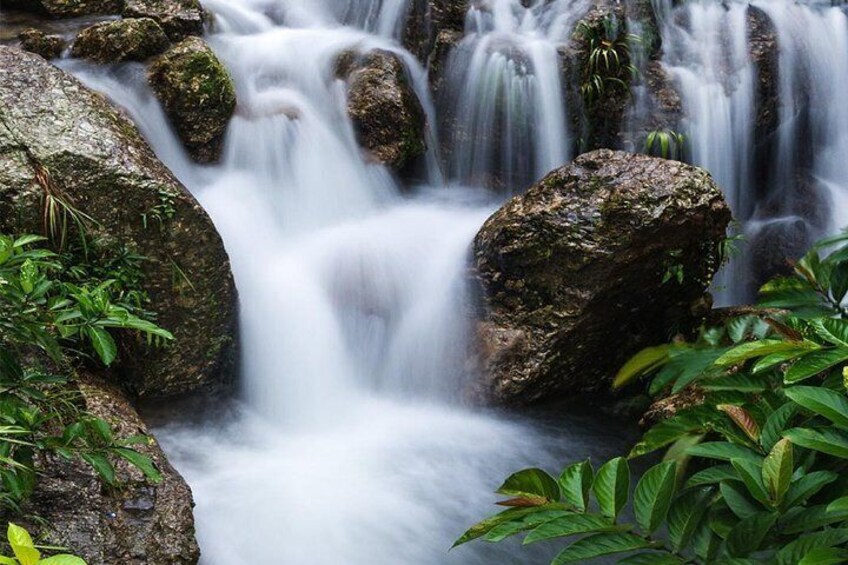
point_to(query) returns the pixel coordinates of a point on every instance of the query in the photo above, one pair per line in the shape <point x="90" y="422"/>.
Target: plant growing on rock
<point x="607" y="62"/>
<point x="756" y="451"/>
<point x="27" y="553"/>
<point x="666" y="143"/>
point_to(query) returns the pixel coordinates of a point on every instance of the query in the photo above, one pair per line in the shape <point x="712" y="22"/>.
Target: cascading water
<point x="506" y="93"/>
<point x="350" y="445"/>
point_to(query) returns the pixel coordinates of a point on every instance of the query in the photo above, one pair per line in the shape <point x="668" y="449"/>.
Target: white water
<point x="350" y="443"/>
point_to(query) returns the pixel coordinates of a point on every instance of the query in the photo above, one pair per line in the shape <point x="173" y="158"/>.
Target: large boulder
<point x="59" y="138"/>
<point x="36" y="41"/>
<point x="387" y="115"/>
<point x="179" y="18"/>
<point x="139" y="523"/>
<point x="198" y="95"/>
<point x="65" y="8"/>
<point x="602" y="257"/>
<point x="131" y="39"/>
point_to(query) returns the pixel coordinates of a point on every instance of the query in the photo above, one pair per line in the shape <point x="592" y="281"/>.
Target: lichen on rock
<point x="65" y="8"/>
<point x="40" y="43"/>
<point x="179" y="18"/>
<point x="131" y="39"/>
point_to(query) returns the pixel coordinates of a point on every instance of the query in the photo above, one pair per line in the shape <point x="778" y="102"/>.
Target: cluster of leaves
<point x="608" y="61"/>
<point x="666" y="143"/>
<point x="754" y="470"/>
<point x="56" y="312"/>
<point x="27" y="553"/>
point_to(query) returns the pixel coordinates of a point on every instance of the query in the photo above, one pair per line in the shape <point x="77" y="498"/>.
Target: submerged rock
<point x="57" y="137"/>
<point x="138" y="523"/>
<point x="40" y="43"/>
<point x="131" y="39"/>
<point x="198" y="95"/>
<point x="179" y="18"/>
<point x="387" y="116"/>
<point x="65" y="8"/>
<point x="602" y="257"/>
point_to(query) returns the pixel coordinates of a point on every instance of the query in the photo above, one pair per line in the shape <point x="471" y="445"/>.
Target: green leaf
<point x="807" y="486"/>
<point x="838" y="505"/>
<point x="722" y="451"/>
<point x="736" y="497"/>
<point x="598" y="545"/>
<point x="754" y="349"/>
<point x="533" y="485"/>
<point x="749" y="533"/>
<point x="102" y="465"/>
<point x="743" y="419"/>
<point x="814" y="363"/>
<point x="62" y="559"/>
<point x="22" y="546"/>
<point x="487" y="525"/>
<point x="652" y="558"/>
<point x="825" y="441"/>
<point x="741" y="382"/>
<point x="522" y="524"/>
<point x="712" y="475"/>
<point x="777" y="470"/>
<point x="794" y="552"/>
<point x="684" y="516"/>
<point x="575" y="482"/>
<point x="832" y="330"/>
<point x="653" y="496"/>
<point x="28" y="239"/>
<point x="102" y="343"/>
<point x="776" y="424"/>
<point x="142" y="462"/>
<point x="825" y="556"/>
<point x="751" y="473"/>
<point x="824" y="402"/>
<point x="811" y="519"/>
<point x="571" y="525"/>
<point x="611" y="486"/>
<point x="641" y="364"/>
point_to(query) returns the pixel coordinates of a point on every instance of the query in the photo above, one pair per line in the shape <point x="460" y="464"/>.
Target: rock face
<point x="58" y="137"/>
<point x="139" y="523"/>
<point x="179" y="18"/>
<point x="36" y="41"/>
<point x="198" y="95"/>
<point x="132" y="39"/>
<point x="386" y="113"/>
<point x="573" y="271"/>
<point x="66" y="8"/>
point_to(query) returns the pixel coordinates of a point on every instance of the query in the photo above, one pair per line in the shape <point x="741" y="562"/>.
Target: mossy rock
<point x="574" y="273"/>
<point x="40" y="43"/>
<point x="179" y="18"/>
<point x="198" y="95"/>
<point x="65" y="8"/>
<point x="57" y="135"/>
<point x="132" y="39"/>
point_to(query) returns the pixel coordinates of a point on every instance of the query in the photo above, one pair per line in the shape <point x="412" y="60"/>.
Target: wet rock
<point x="198" y="95"/>
<point x="137" y="523"/>
<point x="36" y="41"/>
<point x="57" y="136"/>
<point x="179" y="18"/>
<point x="131" y="39"/>
<point x="599" y="259"/>
<point x="774" y="247"/>
<point x="427" y="19"/>
<point x="65" y="8"/>
<point x="765" y="55"/>
<point x="386" y="113"/>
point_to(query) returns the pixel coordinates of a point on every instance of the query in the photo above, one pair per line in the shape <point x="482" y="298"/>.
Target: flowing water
<point x="349" y="442"/>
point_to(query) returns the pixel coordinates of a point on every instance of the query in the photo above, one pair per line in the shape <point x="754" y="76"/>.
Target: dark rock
<point x="198" y="95"/>
<point x="58" y="136"/>
<point x="762" y="37"/>
<point x="179" y="18"/>
<point x="581" y="271"/>
<point x="137" y="523"/>
<point x="130" y="39"/>
<point x="36" y="41"/>
<point x="387" y="116"/>
<point x="65" y="8"/>
<point x="427" y="19"/>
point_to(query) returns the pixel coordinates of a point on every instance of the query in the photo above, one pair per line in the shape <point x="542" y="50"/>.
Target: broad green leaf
<point x="722" y="451"/>
<point x="653" y="496"/>
<point x="102" y="465"/>
<point x="62" y="560"/>
<point x="807" y="486"/>
<point x="712" y="475"/>
<point x="832" y="330"/>
<point x="751" y="473"/>
<point x="28" y="239"/>
<point x="777" y="470"/>
<point x="22" y="546"/>
<point x="142" y="462"/>
<point x="825" y="556"/>
<point x="103" y="344"/>
<point x="742" y="382"/>
<point x="814" y="363"/>
<point x="598" y="545"/>
<point x="743" y="419"/>
<point x="570" y="525"/>
<point x="641" y="364"/>
<point x="775" y="359"/>
<point x="794" y="552"/>
<point x="531" y="483"/>
<point x="811" y="519"/>
<point x="611" y="486"/>
<point x="705" y="542"/>
<point x="575" y="483"/>
<point x="735" y="494"/>
<point x="522" y="524"/>
<point x="749" y="533"/>
<point x="652" y="558"/>
<point x="776" y="424"/>
<point x="824" y="402"/>
<point x="825" y="441"/>
<point x="754" y="349"/>
<point x="8" y="561"/>
<point x="685" y="514"/>
<point x="487" y="525"/>
<point x="838" y="505"/>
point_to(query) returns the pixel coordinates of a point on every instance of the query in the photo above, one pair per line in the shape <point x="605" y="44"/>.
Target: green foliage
<point x="27" y="553"/>
<point x="607" y="64"/>
<point x="666" y="143"/>
<point x="755" y="464"/>
<point x="58" y="311"/>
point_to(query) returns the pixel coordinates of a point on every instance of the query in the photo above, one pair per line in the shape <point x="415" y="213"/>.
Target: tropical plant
<point x="666" y="143"/>
<point x="755" y="462"/>
<point x="27" y="553"/>
<point x="607" y="62"/>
